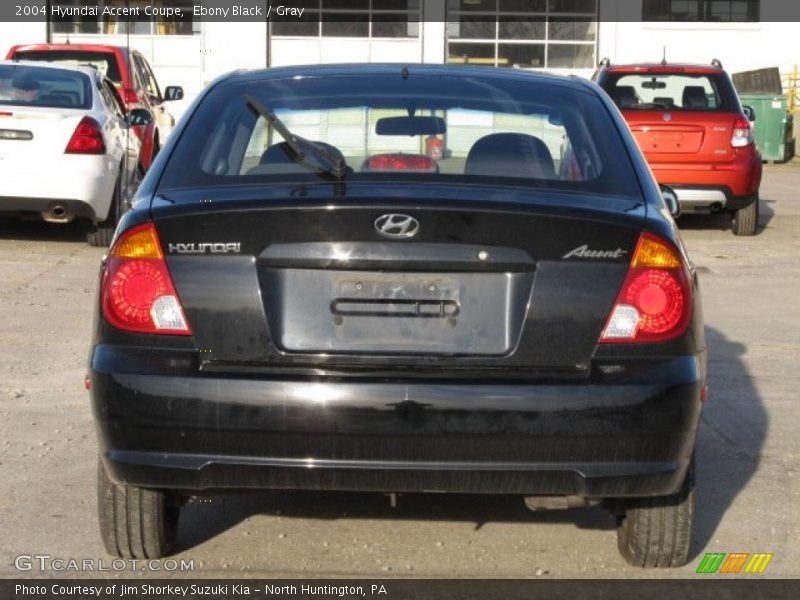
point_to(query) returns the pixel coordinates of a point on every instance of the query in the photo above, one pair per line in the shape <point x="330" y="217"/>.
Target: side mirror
<point x="670" y="197"/>
<point x="750" y="113"/>
<point x="173" y="92"/>
<point x="139" y="116"/>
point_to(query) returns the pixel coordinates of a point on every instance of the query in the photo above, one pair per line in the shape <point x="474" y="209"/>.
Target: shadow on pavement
<point x="733" y="429"/>
<point x="16" y="229"/>
<point x="723" y="221"/>
<point x="202" y="521"/>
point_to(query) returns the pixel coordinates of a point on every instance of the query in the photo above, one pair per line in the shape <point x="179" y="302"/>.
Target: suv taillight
<point x="742" y="133"/>
<point x="86" y="139"/>
<point x="655" y="302"/>
<point x="137" y="291"/>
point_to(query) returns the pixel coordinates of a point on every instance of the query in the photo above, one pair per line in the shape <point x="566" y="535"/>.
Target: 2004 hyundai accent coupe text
<point x="399" y="279"/>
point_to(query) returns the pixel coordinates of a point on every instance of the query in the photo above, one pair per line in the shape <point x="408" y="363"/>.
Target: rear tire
<point x="135" y="522"/>
<point x="745" y="220"/>
<point x="657" y="532"/>
<point x="103" y="232"/>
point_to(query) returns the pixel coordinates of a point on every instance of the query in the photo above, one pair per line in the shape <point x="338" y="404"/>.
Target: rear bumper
<point x="74" y="209"/>
<point x="708" y="187"/>
<point x="614" y="437"/>
<point x="83" y="184"/>
<point x="708" y="199"/>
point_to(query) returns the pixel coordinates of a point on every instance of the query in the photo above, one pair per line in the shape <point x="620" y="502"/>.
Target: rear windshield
<point x="467" y="129"/>
<point x="670" y="91"/>
<point x="105" y="62"/>
<point x="55" y="88"/>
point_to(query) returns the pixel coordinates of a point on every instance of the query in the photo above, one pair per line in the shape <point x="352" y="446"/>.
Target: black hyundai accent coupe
<point x="400" y="279"/>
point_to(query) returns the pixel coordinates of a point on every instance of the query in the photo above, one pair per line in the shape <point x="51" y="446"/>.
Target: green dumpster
<point x="772" y="129"/>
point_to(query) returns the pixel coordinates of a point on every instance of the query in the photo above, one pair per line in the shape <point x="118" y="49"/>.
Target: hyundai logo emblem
<point x="667" y="117"/>
<point x="396" y="226"/>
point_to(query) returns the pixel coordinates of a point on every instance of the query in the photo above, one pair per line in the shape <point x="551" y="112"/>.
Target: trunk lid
<point x="700" y="137"/>
<point x="33" y="134"/>
<point x="494" y="279"/>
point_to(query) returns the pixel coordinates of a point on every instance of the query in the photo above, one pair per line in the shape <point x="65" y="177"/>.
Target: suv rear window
<point x="105" y="62"/>
<point x="670" y="91"/>
<point x="470" y="130"/>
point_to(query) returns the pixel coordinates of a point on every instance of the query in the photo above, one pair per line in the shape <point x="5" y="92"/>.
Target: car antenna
<point x="664" y="56"/>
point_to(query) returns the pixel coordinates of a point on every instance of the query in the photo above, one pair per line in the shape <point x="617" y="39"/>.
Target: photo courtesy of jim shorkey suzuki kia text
<point x="193" y="590"/>
<point x="62" y="11"/>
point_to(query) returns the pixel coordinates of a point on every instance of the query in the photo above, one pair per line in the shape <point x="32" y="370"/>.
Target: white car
<point x="67" y="149"/>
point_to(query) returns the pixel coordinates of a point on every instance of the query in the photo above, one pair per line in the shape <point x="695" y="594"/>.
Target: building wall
<point x="739" y="46"/>
<point x="20" y="33"/>
<point x="312" y="51"/>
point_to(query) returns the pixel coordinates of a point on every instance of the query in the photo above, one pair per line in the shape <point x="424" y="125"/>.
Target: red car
<point x="128" y="70"/>
<point x="696" y="136"/>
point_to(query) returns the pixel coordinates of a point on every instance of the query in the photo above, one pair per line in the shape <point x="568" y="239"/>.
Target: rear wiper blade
<point x="337" y="168"/>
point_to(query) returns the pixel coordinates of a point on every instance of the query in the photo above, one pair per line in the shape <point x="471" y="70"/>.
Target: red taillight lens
<point x="137" y="290"/>
<point x="659" y="297"/>
<point x="87" y="138"/>
<point x="742" y="133"/>
<point x="655" y="302"/>
<point x="401" y="162"/>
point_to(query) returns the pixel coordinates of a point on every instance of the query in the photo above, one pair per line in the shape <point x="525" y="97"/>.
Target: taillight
<point x="401" y="162"/>
<point x="86" y="139"/>
<point x="130" y="98"/>
<point x="137" y="290"/>
<point x="742" y="133"/>
<point x="655" y="302"/>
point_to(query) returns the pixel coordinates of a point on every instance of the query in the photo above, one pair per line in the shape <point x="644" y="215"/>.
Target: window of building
<point x="140" y="24"/>
<point x="701" y="10"/>
<point x="524" y="34"/>
<point x="353" y="18"/>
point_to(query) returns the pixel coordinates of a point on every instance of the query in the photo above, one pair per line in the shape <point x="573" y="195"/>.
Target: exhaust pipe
<point x="58" y="212"/>
<point x="537" y="503"/>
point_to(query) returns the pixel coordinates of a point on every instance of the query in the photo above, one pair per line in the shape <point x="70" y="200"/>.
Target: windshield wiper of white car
<point x="300" y="146"/>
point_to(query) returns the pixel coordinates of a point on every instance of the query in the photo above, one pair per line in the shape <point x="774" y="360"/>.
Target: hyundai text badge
<point x="396" y="226"/>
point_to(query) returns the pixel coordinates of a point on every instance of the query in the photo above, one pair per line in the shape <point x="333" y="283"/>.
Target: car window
<point x="112" y="99"/>
<point x="669" y="91"/>
<point x="105" y="62"/>
<point x="46" y="87"/>
<point x="471" y="130"/>
<point x="153" y="81"/>
<point x="135" y="74"/>
<point x="147" y="81"/>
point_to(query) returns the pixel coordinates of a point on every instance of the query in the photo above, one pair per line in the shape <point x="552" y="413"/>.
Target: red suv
<point x="695" y="134"/>
<point x="129" y="71"/>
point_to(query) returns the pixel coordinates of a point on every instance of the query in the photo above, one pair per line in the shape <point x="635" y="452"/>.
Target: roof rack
<point x="606" y="62"/>
<point x="716" y="63"/>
